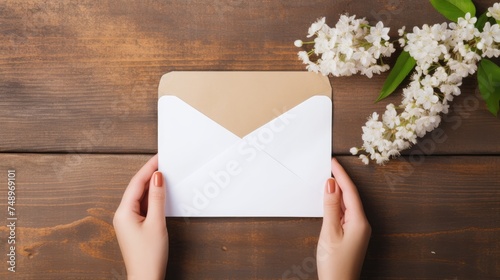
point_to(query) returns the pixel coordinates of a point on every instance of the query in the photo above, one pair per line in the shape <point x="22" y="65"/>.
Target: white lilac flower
<point x="444" y="55"/>
<point x="364" y="57"/>
<point x="441" y="74"/>
<point x="467" y="22"/>
<point x="321" y="44"/>
<point x="402" y="42"/>
<point x="433" y="48"/>
<point x="351" y="47"/>
<point x="313" y="67"/>
<point x="364" y="159"/>
<point x="426" y="124"/>
<point x="377" y="34"/>
<point x="437" y="108"/>
<point x="426" y="98"/>
<point x="462" y="68"/>
<point x="494" y="11"/>
<point x="491" y="52"/>
<point x="374" y="69"/>
<point x="390" y="117"/>
<point x="490" y="34"/>
<point x="304" y="57"/>
<point x="401" y="31"/>
<point x="315" y="27"/>
<point x="345" y="47"/>
<point x="440" y="32"/>
<point x="388" y="49"/>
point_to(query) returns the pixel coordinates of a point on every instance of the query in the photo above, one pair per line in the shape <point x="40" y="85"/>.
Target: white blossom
<point x="351" y="47"/>
<point x="426" y="98"/>
<point x="401" y="31"/>
<point x="467" y="22"/>
<point x="494" y="11"/>
<point x="490" y="40"/>
<point x="364" y="159"/>
<point x="304" y="57"/>
<point x="444" y="53"/>
<point x="390" y="117"/>
<point x="315" y="27"/>
<point x="364" y="57"/>
<point x="377" y="34"/>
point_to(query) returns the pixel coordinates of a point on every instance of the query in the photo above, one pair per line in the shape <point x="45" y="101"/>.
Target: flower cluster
<point x="444" y="55"/>
<point x="352" y="46"/>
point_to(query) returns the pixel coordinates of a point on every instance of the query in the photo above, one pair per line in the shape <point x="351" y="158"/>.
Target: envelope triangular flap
<point x="174" y="115"/>
<point x="243" y="101"/>
<point x="307" y="128"/>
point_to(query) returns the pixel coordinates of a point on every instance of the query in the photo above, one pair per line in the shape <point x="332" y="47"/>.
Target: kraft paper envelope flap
<point x="204" y="120"/>
<point x="242" y="101"/>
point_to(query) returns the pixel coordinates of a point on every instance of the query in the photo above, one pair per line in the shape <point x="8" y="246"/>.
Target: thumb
<point x="156" y="198"/>
<point x="333" y="213"/>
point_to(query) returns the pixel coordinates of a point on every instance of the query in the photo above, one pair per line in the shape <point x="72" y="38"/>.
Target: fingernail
<point x="331" y="185"/>
<point x="157" y="179"/>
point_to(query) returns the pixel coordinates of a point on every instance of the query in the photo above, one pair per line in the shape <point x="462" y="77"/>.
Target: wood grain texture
<point x="436" y="220"/>
<point x="81" y="76"/>
<point x="78" y="81"/>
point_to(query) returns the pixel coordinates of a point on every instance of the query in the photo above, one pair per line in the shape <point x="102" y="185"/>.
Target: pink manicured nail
<point x="331" y="185"/>
<point x="157" y="179"/>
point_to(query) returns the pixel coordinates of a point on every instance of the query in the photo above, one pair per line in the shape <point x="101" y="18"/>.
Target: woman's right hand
<point x="345" y="232"/>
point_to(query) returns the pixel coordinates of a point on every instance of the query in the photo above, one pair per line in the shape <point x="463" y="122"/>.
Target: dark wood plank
<point x="432" y="217"/>
<point x="64" y="228"/>
<point x="82" y="76"/>
<point x="438" y="219"/>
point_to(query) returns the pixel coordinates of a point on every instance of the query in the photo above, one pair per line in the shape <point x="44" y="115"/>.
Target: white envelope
<point x="216" y="164"/>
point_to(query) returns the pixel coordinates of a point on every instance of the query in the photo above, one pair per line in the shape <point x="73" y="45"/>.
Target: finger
<point x="156" y="198"/>
<point x="144" y="174"/>
<point x="332" y="208"/>
<point x="139" y="183"/>
<point x="350" y="194"/>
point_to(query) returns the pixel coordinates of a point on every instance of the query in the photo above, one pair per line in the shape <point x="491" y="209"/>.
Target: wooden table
<point x="78" y="86"/>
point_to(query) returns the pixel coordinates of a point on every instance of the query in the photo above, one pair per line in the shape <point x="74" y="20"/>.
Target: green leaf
<point x="404" y="64"/>
<point x="482" y="20"/>
<point x="488" y="78"/>
<point x="453" y="9"/>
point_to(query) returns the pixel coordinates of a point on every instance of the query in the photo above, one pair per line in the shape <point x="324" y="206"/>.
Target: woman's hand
<point x="140" y="224"/>
<point x="345" y="231"/>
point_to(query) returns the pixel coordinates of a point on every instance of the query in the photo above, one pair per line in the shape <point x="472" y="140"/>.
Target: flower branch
<point x="440" y="55"/>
